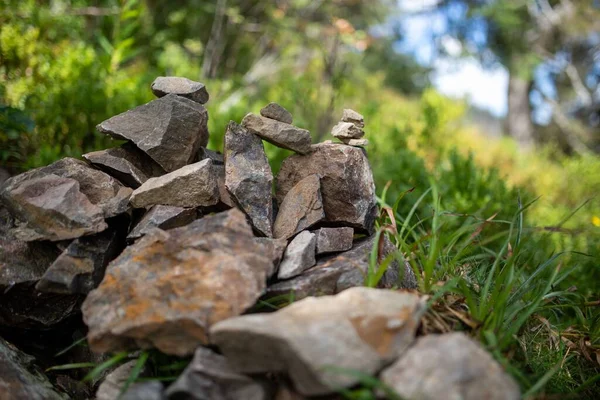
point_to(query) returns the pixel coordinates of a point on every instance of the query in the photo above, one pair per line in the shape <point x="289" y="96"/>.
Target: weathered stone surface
<point x="352" y="116"/>
<point x="24" y="262"/>
<point x="301" y="208"/>
<point x="347" y="186"/>
<point x="279" y="133"/>
<point x="347" y="130"/>
<point x="248" y="177"/>
<point x="152" y="390"/>
<point x="194" y="185"/>
<point x="216" y="157"/>
<point x="331" y="240"/>
<point x="163" y="217"/>
<point x="275" y="249"/>
<point x="360" y="329"/>
<point x="128" y="164"/>
<point x="164" y="85"/>
<point x="299" y="255"/>
<point x="336" y="273"/>
<point x="80" y="268"/>
<point x="209" y="270"/>
<point x="209" y="376"/>
<point x="113" y="383"/>
<point x="449" y="366"/>
<point x="355" y="142"/>
<point x="170" y="129"/>
<point x="21" y="379"/>
<point x="225" y="199"/>
<point x="276" y="112"/>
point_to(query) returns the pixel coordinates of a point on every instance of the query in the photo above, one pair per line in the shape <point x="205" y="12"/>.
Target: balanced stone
<point x="331" y="240"/>
<point x="347" y="130"/>
<point x="355" y="142"/>
<point x="316" y="339"/>
<point x="299" y="255"/>
<point x="163" y="217"/>
<point x="193" y="185"/>
<point x="276" y="112"/>
<point x="279" y="133"/>
<point x="170" y="129"/>
<point x="349" y="115"/>
<point x="248" y="177"/>
<point x="164" y="85"/>
<point x="301" y="208"/>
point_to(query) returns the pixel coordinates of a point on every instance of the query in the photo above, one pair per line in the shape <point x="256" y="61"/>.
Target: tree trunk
<point x="518" y="122"/>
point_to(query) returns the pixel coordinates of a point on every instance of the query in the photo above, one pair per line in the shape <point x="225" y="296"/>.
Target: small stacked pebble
<point x="350" y="129"/>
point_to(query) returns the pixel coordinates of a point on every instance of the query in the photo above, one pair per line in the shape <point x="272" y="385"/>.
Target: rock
<point x="126" y="163"/>
<point x="275" y="249"/>
<point x="80" y="268"/>
<point x="355" y="142"/>
<point x="279" y="133"/>
<point x="4" y="175"/>
<point x="301" y="208"/>
<point x="248" y="177"/>
<point x="352" y="116"/>
<point x="347" y="130"/>
<point x="216" y="157"/>
<point x="449" y="366"/>
<point x="331" y="240"/>
<point x="336" y="273"/>
<point x="314" y="340"/>
<point x="170" y="129"/>
<point x="347" y="186"/>
<point x="21" y="379"/>
<point x="210" y="377"/>
<point x="113" y="384"/>
<point x="225" y="200"/>
<point x="299" y="255"/>
<point x="164" y="85"/>
<point x="194" y="185"/>
<point x="209" y="270"/>
<point x="151" y="390"/>
<point x="163" y="217"/>
<point x="276" y="112"/>
<point x="24" y="262"/>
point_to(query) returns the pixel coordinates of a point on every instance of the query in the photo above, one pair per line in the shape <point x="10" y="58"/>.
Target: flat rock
<point x="347" y="186"/>
<point x="163" y="217"/>
<point x="151" y="390"/>
<point x="170" y="129"/>
<point x="449" y="366"/>
<point x="209" y="270"/>
<point x="332" y="240"/>
<point x="349" y="115"/>
<point x="248" y="177"/>
<point x="193" y="185"/>
<point x="209" y="376"/>
<point x="315" y="339"/>
<point x="164" y="85"/>
<point x="299" y="255"/>
<point x="216" y="157"/>
<point x="21" y="379"/>
<point x="279" y="133"/>
<point x="128" y="164"/>
<point x="80" y="268"/>
<point x="336" y="273"/>
<point x="355" y="142"/>
<point x="275" y="249"/>
<point x="301" y="208"/>
<point x="276" y="112"/>
<point x="347" y="130"/>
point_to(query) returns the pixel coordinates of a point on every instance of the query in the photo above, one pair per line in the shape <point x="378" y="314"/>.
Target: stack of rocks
<point x="163" y="243"/>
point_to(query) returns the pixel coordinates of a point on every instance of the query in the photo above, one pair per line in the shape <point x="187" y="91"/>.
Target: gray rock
<point x="336" y="273"/>
<point x="21" y="378"/>
<point x="299" y="255"/>
<point x="301" y="208"/>
<point x="80" y="268"/>
<point x="24" y="262"/>
<point x="279" y="133"/>
<point x="209" y="270"/>
<point x="276" y="112"/>
<point x="225" y="200"/>
<point x="352" y="116"/>
<point x="216" y="157"/>
<point x="126" y="163"/>
<point x="163" y="217"/>
<point x="347" y="130"/>
<point x="275" y="249"/>
<point x="164" y="85"/>
<point x="151" y="390"/>
<point x="315" y="340"/>
<point x="347" y="186"/>
<point x="193" y="185"/>
<point x="210" y="377"/>
<point x="248" y="177"/>
<point x="113" y="384"/>
<point x="331" y="240"/>
<point x="449" y="366"/>
<point x="170" y="129"/>
<point x="355" y="142"/>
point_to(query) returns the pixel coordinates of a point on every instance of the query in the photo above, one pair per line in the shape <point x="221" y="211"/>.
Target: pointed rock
<point x="126" y="163"/>
<point x="170" y="129"/>
<point x="449" y="366"/>
<point x="299" y="255"/>
<point x="279" y="133"/>
<point x="313" y="339"/>
<point x="301" y="208"/>
<point x="276" y="112"/>
<point x="332" y="240"/>
<point x="248" y="177"/>
<point x="194" y="185"/>
<point x="209" y="270"/>
<point x="347" y="130"/>
<point x="347" y="186"/>
<point x="163" y="217"/>
<point x="164" y="85"/>
<point x="349" y="115"/>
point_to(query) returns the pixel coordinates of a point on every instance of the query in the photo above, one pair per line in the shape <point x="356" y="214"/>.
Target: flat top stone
<point x="276" y="112"/>
<point x="164" y="85"/>
<point x="349" y="115"/>
<point x="279" y="133"/>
